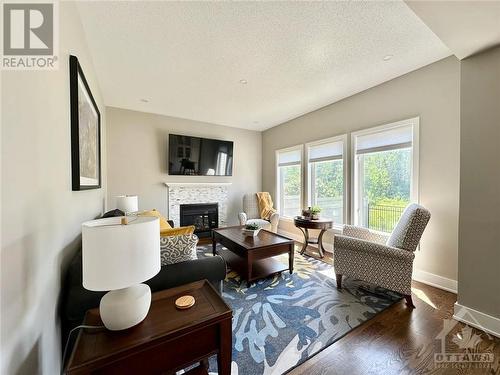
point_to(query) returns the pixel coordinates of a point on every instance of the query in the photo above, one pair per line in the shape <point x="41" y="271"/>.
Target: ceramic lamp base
<point x="124" y="308"/>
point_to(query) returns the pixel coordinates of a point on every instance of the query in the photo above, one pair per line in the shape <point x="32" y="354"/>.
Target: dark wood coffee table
<point x="253" y="257"/>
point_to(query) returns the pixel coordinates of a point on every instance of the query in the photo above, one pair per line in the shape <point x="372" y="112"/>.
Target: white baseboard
<point x="434" y="280"/>
<point x="477" y="319"/>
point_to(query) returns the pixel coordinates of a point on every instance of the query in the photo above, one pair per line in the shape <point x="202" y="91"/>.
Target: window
<point x="385" y="173"/>
<point x="221" y="163"/>
<point x="326" y="182"/>
<point x="289" y="176"/>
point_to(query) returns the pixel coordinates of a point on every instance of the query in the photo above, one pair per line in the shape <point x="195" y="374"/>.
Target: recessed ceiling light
<point x="388" y="57"/>
<point x="145" y="100"/>
<point x="243" y="81"/>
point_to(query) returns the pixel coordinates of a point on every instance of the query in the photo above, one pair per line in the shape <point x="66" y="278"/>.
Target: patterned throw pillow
<point x="175" y="249"/>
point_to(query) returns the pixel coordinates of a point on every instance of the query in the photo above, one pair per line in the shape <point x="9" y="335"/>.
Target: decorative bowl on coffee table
<point x="251" y="232"/>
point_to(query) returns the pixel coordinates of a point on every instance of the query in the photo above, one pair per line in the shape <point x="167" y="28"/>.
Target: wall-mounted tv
<point x="199" y="156"/>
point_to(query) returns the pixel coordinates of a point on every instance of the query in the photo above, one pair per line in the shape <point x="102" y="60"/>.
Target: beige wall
<point x="479" y="240"/>
<point x="432" y="93"/>
<point x="41" y="216"/>
<point x="137" y="158"/>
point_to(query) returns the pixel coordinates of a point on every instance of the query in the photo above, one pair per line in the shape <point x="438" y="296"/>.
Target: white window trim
<point x="307" y="190"/>
<point x="415" y="188"/>
<point x="277" y="176"/>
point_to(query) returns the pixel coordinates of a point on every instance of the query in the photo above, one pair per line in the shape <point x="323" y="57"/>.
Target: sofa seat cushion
<point x="175" y="249"/>
<point x="260" y="222"/>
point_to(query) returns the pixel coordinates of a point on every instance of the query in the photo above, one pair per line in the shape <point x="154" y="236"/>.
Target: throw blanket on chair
<point x="265" y="205"/>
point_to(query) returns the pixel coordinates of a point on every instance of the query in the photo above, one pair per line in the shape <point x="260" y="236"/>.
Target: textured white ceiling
<point x="466" y="27"/>
<point x="187" y="58"/>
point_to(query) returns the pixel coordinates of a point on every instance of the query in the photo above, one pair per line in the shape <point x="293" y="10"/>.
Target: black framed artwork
<point x="85" y="131"/>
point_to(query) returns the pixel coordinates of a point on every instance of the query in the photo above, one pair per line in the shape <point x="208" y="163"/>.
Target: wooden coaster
<point x="184" y="302"/>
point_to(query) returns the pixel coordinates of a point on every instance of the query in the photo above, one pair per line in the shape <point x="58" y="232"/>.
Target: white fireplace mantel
<point x="197" y="184"/>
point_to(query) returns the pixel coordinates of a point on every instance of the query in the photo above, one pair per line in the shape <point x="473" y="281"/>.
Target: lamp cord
<point x="69" y="338"/>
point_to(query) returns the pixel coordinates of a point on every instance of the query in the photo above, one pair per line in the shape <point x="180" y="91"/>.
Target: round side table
<point x="305" y="224"/>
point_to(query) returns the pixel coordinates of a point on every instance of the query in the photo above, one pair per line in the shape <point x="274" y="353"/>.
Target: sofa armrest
<point x="364" y="234"/>
<point x="243" y="218"/>
<point x="213" y="269"/>
<point x="362" y="246"/>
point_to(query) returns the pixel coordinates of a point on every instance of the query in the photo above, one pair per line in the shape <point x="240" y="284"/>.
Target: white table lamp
<point x="127" y="203"/>
<point x="118" y="258"/>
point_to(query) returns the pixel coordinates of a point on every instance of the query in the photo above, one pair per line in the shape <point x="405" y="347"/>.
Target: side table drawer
<point x="168" y="355"/>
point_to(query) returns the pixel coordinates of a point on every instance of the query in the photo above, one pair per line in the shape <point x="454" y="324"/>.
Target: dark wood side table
<point x="166" y="341"/>
<point x="305" y="224"/>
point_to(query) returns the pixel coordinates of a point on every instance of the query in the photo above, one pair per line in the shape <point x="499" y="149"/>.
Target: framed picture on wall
<point x="85" y="131"/>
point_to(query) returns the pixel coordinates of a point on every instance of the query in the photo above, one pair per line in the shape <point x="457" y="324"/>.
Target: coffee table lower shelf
<point x="261" y="268"/>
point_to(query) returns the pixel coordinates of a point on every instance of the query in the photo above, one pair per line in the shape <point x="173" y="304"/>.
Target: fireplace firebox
<point x="204" y="217"/>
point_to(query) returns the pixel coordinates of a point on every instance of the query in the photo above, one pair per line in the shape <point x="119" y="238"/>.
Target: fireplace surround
<point x="183" y="193"/>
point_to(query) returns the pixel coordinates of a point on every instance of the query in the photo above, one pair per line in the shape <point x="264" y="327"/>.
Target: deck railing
<point x="383" y="218"/>
<point x="378" y="217"/>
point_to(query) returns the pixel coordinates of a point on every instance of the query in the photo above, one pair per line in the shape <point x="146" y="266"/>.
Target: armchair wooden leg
<point x="339" y="281"/>
<point x="409" y="301"/>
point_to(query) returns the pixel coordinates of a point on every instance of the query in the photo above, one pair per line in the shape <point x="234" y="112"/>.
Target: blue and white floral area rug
<point x="281" y="321"/>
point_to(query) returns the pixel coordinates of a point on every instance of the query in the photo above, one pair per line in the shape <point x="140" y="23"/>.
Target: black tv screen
<point x="199" y="156"/>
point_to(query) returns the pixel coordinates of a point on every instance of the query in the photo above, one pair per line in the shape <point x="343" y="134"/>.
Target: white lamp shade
<point x="116" y="256"/>
<point x="127" y="203"/>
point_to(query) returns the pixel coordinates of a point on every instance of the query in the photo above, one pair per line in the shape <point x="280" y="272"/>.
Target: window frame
<point x="278" y="203"/>
<point x="355" y="173"/>
<point x="309" y="174"/>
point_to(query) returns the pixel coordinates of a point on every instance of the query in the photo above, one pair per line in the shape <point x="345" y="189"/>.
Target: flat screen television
<point x="199" y="156"/>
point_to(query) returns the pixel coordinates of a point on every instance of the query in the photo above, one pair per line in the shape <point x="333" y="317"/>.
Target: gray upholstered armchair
<point x="380" y="259"/>
<point x="251" y="214"/>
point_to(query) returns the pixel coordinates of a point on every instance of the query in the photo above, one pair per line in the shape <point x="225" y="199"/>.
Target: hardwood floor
<point x="400" y="340"/>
